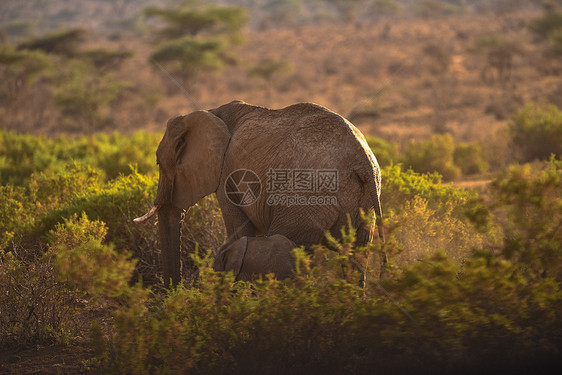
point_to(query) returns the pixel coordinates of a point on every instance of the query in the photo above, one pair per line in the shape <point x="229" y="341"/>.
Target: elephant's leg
<point x="236" y="222"/>
<point x="304" y="225"/>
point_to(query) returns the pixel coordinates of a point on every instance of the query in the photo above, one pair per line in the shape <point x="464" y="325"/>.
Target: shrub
<point x="428" y="217"/>
<point x="15" y="213"/>
<point x="22" y="156"/>
<point x="438" y="315"/>
<point x="433" y="155"/>
<point x="440" y="58"/>
<point x="115" y="203"/>
<point x="470" y="159"/>
<point x="386" y="153"/>
<point x="439" y="306"/>
<point x="545" y="25"/>
<point x="400" y="186"/>
<point x="202" y="227"/>
<point x="536" y="132"/>
<point x="36" y="307"/>
<point x="84" y="261"/>
<point x="530" y="198"/>
<point x="555" y="49"/>
<point x="51" y="189"/>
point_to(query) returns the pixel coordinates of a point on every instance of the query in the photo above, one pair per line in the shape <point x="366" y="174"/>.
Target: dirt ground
<point x="76" y="358"/>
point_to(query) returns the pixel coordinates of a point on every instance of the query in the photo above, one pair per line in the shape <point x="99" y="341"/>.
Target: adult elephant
<point x="297" y="171"/>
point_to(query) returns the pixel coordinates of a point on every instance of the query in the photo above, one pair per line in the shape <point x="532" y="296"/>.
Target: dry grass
<point x="393" y="87"/>
<point x="419" y="79"/>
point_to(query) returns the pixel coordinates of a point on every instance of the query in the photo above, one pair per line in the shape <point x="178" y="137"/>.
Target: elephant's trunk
<point x="169" y="218"/>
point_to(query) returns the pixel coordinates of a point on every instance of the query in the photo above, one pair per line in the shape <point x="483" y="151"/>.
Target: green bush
<point x="115" y="203"/>
<point x="470" y="159"/>
<point x="536" y="132"/>
<point x="555" y="49"/>
<point x="433" y="155"/>
<point x="438" y="315"/>
<point x="84" y="261"/>
<point x="385" y="152"/>
<point x="22" y="156"/>
<point x="545" y="25"/>
<point x="443" y="155"/>
<point x="15" y="213"/>
<point x="530" y="198"/>
<point x="453" y="297"/>
<point x="428" y="216"/>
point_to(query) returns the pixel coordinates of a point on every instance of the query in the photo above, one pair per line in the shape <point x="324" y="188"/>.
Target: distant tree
<point x="119" y="6"/>
<point x="549" y="28"/>
<point x="385" y="7"/>
<point x="429" y="8"/>
<point x="285" y="12"/>
<point x="85" y="97"/>
<point x="104" y="59"/>
<point x="500" y="6"/>
<point x="194" y="38"/>
<point x="499" y="54"/>
<point x="470" y="159"/>
<point x="536" y="132"/>
<point x="199" y="20"/>
<point x="546" y="25"/>
<point x="18" y="70"/>
<point x="19" y="28"/>
<point x="61" y="43"/>
<point x="555" y="48"/>
<point x="188" y="56"/>
<point x="269" y="68"/>
<point x="348" y="9"/>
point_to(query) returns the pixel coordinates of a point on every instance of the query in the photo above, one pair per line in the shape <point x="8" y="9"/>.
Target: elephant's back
<point x="300" y="134"/>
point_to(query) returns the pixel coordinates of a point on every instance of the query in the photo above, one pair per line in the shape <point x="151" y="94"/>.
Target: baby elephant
<point x="248" y="257"/>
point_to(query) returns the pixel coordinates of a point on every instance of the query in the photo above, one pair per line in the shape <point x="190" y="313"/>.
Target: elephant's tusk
<point x="148" y="215"/>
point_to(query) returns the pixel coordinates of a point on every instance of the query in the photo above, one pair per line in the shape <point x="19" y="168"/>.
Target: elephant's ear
<point x="235" y="256"/>
<point x="199" y="151"/>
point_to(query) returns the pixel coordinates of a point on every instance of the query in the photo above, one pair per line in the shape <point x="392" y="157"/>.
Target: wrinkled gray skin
<point x="250" y="257"/>
<point x="199" y="151"/>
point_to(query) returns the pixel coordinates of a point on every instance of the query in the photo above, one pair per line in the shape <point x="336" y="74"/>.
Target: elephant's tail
<point x="372" y="181"/>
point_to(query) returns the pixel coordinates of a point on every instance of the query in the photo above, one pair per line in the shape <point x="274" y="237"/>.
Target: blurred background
<point x="399" y="69"/>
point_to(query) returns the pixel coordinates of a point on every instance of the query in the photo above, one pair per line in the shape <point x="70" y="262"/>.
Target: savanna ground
<point x="480" y="280"/>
